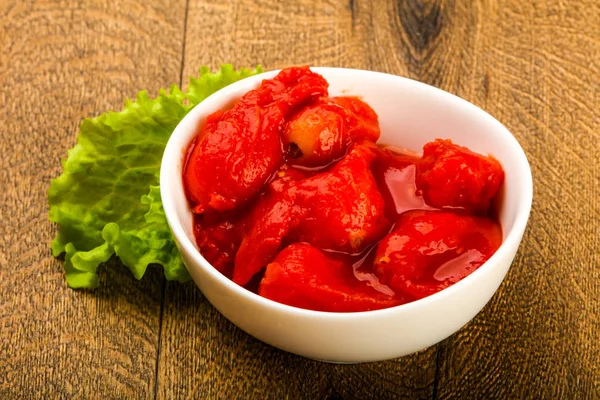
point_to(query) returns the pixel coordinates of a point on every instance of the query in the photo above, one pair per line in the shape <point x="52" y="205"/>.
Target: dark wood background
<point x="534" y="65"/>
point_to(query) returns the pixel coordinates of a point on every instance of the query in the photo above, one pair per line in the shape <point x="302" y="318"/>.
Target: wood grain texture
<point x="219" y="360"/>
<point x="539" y="336"/>
<point x="533" y="65"/>
<point x="61" y="62"/>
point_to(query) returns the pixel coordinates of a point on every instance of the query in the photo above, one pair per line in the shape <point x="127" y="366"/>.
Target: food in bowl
<point x="294" y="200"/>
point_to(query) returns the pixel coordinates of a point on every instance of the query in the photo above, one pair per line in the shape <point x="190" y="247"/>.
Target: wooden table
<point x="533" y="65"/>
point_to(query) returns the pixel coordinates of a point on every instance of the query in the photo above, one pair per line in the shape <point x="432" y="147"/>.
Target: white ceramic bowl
<point x="410" y="114"/>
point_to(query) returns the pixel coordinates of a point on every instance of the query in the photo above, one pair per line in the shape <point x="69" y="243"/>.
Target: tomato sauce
<point x="293" y="200"/>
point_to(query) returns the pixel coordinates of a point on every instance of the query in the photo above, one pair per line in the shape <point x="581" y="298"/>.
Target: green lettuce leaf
<point x="107" y="201"/>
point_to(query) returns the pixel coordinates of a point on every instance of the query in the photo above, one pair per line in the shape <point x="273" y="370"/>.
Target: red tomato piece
<point x="316" y="136"/>
<point x="269" y="222"/>
<point x="276" y="215"/>
<point x="367" y="124"/>
<point x="305" y="277"/>
<point x="321" y="133"/>
<point x="218" y="241"/>
<point x="287" y="176"/>
<point x="431" y="250"/>
<point x="453" y="176"/>
<point x="293" y="87"/>
<point x="339" y="210"/>
<point x="345" y="210"/>
<point x="239" y="149"/>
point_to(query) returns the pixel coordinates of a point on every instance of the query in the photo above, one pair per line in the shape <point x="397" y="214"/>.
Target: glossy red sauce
<point x="294" y="201"/>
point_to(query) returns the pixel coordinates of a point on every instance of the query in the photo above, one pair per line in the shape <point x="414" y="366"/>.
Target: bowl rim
<point x="172" y="152"/>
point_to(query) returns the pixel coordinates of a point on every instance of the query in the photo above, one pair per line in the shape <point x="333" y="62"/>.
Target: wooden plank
<point x="204" y="356"/>
<point x="61" y="62"/>
<point x="536" y="68"/>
